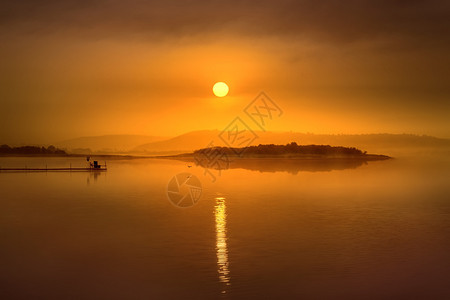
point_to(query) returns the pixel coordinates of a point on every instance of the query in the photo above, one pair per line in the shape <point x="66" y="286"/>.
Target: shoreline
<point x="234" y="157"/>
<point x="288" y="157"/>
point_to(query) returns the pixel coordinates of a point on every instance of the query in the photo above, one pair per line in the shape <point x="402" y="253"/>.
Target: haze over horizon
<point x="225" y="149"/>
<point x="72" y="69"/>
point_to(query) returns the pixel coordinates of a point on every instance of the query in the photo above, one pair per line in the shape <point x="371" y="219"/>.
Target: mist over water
<point x="379" y="229"/>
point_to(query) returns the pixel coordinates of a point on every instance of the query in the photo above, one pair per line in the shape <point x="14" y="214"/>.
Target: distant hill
<point x="389" y="144"/>
<point x="106" y="143"/>
<point x="187" y="142"/>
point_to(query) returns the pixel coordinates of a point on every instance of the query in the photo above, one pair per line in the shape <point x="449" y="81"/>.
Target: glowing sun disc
<point x="220" y="89"/>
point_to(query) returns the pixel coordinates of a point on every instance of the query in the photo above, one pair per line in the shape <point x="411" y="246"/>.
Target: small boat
<point x="95" y="165"/>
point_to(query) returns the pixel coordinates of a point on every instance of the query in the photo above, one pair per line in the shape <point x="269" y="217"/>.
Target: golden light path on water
<point x="221" y="241"/>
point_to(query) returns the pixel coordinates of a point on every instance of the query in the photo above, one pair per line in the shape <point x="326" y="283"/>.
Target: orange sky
<point x="147" y="67"/>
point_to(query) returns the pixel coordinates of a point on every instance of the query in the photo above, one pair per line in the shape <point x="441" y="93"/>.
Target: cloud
<point x="331" y="20"/>
<point x="356" y="57"/>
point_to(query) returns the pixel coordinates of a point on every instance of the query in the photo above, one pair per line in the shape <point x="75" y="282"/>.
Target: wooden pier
<point x="52" y="169"/>
<point x="96" y="168"/>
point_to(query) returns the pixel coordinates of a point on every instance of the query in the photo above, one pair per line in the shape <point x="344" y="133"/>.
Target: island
<point x="290" y="158"/>
<point x="6" y="150"/>
<point x="291" y="150"/>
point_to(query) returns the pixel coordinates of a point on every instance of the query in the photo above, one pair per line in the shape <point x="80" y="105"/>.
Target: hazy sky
<point x="76" y="68"/>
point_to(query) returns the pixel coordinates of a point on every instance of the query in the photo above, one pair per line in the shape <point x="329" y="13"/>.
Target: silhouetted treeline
<point x="288" y="149"/>
<point x="31" y="150"/>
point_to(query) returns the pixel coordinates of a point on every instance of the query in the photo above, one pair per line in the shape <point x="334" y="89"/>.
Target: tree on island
<point x="290" y="149"/>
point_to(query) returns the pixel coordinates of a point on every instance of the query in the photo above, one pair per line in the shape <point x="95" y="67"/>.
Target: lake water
<point x="379" y="230"/>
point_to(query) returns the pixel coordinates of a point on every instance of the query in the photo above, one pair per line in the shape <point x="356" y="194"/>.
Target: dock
<point x="93" y="167"/>
<point x="52" y="169"/>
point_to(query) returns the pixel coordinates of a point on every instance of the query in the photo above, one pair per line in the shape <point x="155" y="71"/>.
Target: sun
<point x="220" y="89"/>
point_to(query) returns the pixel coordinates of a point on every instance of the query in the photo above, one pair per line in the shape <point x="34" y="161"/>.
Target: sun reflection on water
<point x="221" y="241"/>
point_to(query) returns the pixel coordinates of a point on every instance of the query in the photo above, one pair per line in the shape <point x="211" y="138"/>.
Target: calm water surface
<point x="373" y="231"/>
